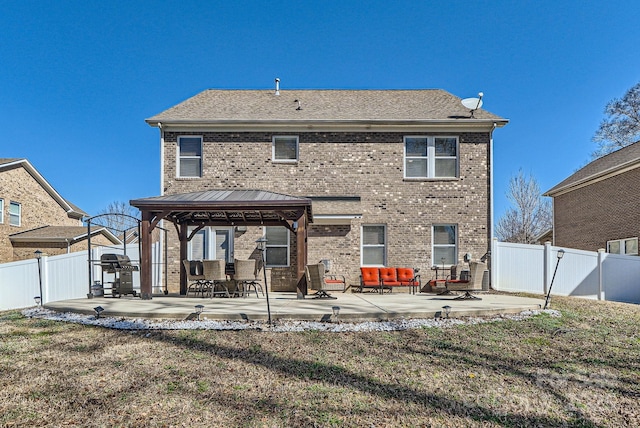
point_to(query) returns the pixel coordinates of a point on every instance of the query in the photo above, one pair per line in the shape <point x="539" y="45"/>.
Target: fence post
<point x="493" y="268"/>
<point x="601" y="256"/>
<point x="44" y="272"/>
<point x="547" y="267"/>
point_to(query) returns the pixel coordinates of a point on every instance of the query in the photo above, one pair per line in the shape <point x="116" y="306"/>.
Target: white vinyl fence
<point x="514" y="268"/>
<point x="65" y="276"/>
<point x="593" y="275"/>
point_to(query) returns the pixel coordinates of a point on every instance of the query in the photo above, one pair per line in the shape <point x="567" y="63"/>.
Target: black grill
<point x="120" y="265"/>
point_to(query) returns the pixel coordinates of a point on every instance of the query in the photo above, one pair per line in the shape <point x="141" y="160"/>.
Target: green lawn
<point x="581" y="369"/>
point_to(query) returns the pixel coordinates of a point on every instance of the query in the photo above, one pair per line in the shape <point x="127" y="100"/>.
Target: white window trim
<point x="623" y="247"/>
<point x="1" y="210"/>
<point x="178" y="157"/>
<point x="384" y="246"/>
<point x="273" y="149"/>
<point x="455" y="245"/>
<point x="430" y="157"/>
<point x="287" y="246"/>
<point x="210" y="243"/>
<point x="19" y="205"/>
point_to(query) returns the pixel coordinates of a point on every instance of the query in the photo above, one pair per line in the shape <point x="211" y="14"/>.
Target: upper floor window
<point x="374" y="245"/>
<point x="627" y="246"/>
<point x="285" y="148"/>
<point x="445" y="245"/>
<point x="430" y="157"/>
<point x="1" y="211"/>
<point x="15" y="213"/>
<point x="277" y="251"/>
<point x="190" y="156"/>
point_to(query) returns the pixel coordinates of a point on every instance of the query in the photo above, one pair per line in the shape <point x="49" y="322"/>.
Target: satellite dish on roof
<point x="473" y="104"/>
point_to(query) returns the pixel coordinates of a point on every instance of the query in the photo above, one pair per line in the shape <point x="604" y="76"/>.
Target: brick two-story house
<point x="34" y="216"/>
<point x="395" y="177"/>
<point x="597" y="206"/>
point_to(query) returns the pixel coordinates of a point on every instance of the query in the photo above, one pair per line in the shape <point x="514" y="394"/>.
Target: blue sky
<point x="78" y="78"/>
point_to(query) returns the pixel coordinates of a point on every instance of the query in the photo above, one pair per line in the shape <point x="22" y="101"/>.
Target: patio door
<point x="212" y="243"/>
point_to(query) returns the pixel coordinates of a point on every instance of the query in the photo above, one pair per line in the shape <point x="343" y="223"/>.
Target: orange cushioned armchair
<point x="409" y="278"/>
<point x="389" y="278"/>
<point x="369" y="279"/>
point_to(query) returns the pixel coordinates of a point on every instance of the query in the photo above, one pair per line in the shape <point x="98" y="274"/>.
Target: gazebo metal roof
<point x="212" y="207"/>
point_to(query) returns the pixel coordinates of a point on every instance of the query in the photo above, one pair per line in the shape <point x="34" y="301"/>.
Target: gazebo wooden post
<point x="145" y="257"/>
<point x="301" y="249"/>
<point x="183" y="256"/>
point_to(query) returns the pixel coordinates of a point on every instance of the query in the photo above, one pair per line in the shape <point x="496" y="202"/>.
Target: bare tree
<point x="117" y="218"/>
<point x="529" y="216"/>
<point x="621" y="127"/>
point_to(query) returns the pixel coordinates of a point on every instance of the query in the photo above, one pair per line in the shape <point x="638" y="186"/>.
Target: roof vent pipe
<point x="277" y="86"/>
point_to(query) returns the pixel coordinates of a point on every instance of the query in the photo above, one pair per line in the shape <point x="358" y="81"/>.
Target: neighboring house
<point x="598" y="206"/>
<point x="28" y="203"/>
<point x="396" y="177"/>
<point x="54" y="240"/>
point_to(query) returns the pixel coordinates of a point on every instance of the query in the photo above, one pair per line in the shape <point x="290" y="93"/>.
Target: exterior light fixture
<point x="447" y="310"/>
<point x="38" y="255"/>
<point x="99" y="310"/>
<point x="38" y="299"/>
<point x="336" y="312"/>
<point x="262" y="247"/>
<point x="199" y="309"/>
<point x="560" y="255"/>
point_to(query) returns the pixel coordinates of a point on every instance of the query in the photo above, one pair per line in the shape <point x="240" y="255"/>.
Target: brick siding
<point x="38" y="209"/>
<point x="365" y="164"/>
<point x="588" y="217"/>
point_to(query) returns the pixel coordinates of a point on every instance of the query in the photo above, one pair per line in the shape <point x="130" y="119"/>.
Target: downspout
<point x="68" y="245"/>
<point x="491" y="216"/>
<point x="162" y="240"/>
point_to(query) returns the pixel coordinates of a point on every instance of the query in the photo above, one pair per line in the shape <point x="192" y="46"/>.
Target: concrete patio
<point x="285" y="306"/>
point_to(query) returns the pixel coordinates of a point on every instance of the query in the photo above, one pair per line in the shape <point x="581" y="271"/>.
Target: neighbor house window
<point x="15" y="213"/>
<point x="445" y="247"/>
<point x="627" y="246"/>
<point x="374" y="245"/>
<point x="190" y="156"/>
<point x="1" y="211"/>
<point x="285" y="149"/>
<point x="430" y="157"/>
<point x="277" y="252"/>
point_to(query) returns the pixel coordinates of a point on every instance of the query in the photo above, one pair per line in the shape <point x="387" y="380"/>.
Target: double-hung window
<point x="374" y="245"/>
<point x="190" y="156"/>
<point x="445" y="244"/>
<point x="627" y="246"/>
<point x="15" y="213"/>
<point x="277" y="251"/>
<point x="285" y="149"/>
<point x="430" y="157"/>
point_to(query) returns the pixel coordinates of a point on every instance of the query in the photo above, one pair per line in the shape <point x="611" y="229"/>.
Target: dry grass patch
<point x="582" y="369"/>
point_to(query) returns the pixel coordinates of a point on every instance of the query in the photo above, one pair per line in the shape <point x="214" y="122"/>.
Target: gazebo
<point x="222" y="208"/>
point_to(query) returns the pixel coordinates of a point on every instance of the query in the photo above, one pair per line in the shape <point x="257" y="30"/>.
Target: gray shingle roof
<point x="320" y="105"/>
<point x="605" y="165"/>
<point x="58" y="234"/>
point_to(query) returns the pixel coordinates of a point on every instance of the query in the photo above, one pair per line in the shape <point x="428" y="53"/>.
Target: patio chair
<point x="195" y="276"/>
<point x="245" y="276"/>
<point x="409" y="277"/>
<point x="468" y="284"/>
<point x="315" y="281"/>
<point x="388" y="278"/>
<point x="215" y="277"/>
<point x="370" y="279"/>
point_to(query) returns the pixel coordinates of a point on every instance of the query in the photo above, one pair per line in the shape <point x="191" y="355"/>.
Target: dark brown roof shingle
<point x="601" y="166"/>
<point x="215" y="105"/>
